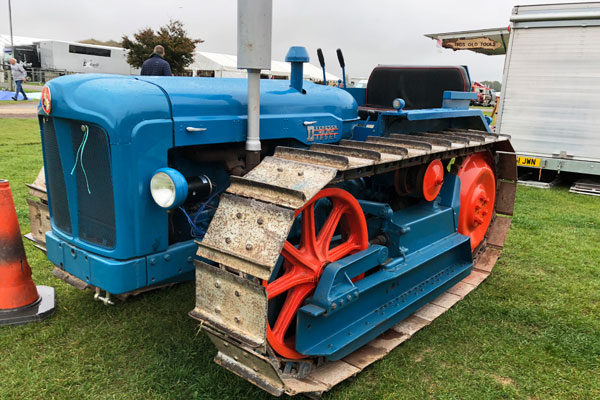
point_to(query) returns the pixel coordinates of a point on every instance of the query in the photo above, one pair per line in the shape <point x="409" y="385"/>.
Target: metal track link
<point x="253" y="220"/>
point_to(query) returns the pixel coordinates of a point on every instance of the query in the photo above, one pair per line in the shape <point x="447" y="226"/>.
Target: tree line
<point x="494" y="85"/>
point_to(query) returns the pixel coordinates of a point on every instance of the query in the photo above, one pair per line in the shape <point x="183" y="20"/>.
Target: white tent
<point x="225" y="66"/>
<point x="17" y="41"/>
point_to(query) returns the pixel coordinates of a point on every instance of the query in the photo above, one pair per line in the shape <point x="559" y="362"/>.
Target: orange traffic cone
<point x="20" y="300"/>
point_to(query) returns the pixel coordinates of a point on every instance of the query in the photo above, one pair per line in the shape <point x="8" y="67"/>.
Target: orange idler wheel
<point x="433" y="178"/>
<point x="477" y="196"/>
<point x="303" y="265"/>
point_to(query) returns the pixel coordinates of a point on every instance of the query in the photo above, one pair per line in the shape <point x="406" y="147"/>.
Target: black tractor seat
<point x="419" y="86"/>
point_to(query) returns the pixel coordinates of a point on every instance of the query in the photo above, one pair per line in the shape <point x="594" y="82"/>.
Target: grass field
<point x="19" y="102"/>
<point x="531" y="331"/>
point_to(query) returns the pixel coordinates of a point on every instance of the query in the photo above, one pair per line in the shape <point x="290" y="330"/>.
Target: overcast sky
<point x="370" y="32"/>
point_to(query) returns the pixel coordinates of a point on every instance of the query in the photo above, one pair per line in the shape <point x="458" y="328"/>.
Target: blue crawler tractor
<point x="367" y="214"/>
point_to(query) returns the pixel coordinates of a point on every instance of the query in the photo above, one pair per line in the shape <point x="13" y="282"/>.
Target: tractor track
<point x="253" y="220"/>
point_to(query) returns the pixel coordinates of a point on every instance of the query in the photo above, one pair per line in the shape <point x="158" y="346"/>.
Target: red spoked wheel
<point x="303" y="265"/>
<point x="477" y="196"/>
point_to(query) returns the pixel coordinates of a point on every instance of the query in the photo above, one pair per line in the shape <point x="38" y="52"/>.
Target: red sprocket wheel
<point x="302" y="266"/>
<point x="477" y="196"/>
<point x="433" y="178"/>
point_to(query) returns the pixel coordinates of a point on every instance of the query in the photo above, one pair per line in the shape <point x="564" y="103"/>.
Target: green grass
<point x="40" y="84"/>
<point x="20" y="101"/>
<point x="531" y="331"/>
<point x="486" y="110"/>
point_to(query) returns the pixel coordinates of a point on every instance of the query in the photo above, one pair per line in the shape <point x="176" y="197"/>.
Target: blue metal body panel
<point x="458" y="100"/>
<point x="441" y="113"/>
<point x="116" y="276"/>
<point x="431" y="257"/>
<point x="220" y="106"/>
<point x="112" y="275"/>
<point x="133" y="164"/>
<point x="359" y="94"/>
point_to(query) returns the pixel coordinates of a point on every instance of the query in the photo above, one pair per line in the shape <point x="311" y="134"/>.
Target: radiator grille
<point x="96" y="209"/>
<point x="56" y="180"/>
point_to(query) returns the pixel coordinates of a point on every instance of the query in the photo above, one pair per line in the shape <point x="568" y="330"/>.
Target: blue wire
<point x="79" y="157"/>
<point x="195" y="230"/>
<point x="201" y="209"/>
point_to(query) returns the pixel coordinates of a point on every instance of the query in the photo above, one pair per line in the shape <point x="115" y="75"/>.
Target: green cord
<point x="79" y="157"/>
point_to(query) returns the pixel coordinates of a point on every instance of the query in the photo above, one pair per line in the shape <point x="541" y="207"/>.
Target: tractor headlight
<point x="169" y="188"/>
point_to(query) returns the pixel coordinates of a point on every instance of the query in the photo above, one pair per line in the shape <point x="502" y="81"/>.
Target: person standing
<point x="19" y="74"/>
<point x="156" y="65"/>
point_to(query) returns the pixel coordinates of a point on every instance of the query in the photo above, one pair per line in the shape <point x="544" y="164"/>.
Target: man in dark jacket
<point x="156" y="64"/>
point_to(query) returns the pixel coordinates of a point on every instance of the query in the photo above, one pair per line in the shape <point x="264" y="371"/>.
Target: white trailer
<point x="84" y="58"/>
<point x="550" y="102"/>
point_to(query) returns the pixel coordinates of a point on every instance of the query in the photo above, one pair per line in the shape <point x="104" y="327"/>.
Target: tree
<point x="494" y="85"/>
<point x="179" y="48"/>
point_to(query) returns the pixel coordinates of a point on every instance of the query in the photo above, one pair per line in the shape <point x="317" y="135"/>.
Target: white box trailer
<point x="550" y="102"/>
<point x="84" y="58"/>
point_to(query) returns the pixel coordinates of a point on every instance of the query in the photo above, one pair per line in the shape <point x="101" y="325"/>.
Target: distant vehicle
<point x="27" y="55"/>
<point x="361" y="83"/>
<point x="485" y="96"/>
<point x="84" y="58"/>
<point x="493" y="97"/>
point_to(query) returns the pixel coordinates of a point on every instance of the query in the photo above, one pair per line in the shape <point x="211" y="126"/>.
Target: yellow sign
<point x="468" y="44"/>
<point x="528" y="161"/>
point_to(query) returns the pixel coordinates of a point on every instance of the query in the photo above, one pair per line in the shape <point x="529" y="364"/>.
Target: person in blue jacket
<point x="156" y="65"/>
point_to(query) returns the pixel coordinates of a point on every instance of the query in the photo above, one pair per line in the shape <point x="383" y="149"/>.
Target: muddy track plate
<point x="231" y="304"/>
<point x="247" y="235"/>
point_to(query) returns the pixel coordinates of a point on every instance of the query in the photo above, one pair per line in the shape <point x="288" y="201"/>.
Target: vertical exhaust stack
<point x="254" y="54"/>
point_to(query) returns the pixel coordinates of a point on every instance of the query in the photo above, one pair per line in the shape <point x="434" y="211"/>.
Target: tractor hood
<point x="207" y="109"/>
<point x="117" y="103"/>
<point x="203" y="110"/>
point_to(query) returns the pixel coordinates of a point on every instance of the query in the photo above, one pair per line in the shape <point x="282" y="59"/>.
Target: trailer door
<point x="551" y="89"/>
